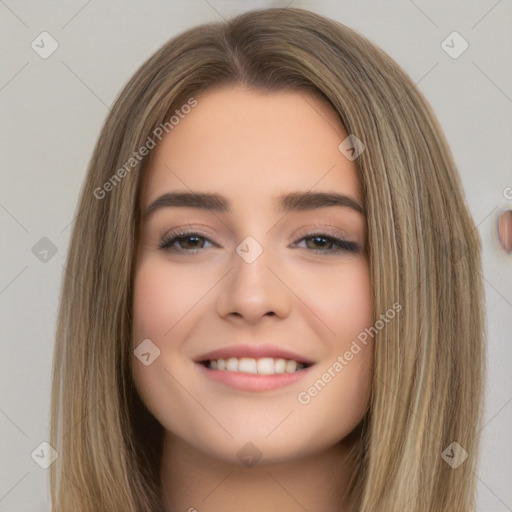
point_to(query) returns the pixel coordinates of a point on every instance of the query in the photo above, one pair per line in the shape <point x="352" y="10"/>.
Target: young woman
<point x="272" y="298"/>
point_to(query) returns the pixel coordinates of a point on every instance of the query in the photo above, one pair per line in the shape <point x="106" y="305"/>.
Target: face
<point x="250" y="302"/>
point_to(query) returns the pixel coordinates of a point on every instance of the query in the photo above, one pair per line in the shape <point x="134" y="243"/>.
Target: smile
<point x="254" y="367"/>
<point x="262" y="366"/>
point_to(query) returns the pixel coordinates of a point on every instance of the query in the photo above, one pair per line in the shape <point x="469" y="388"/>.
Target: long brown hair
<point x="424" y="253"/>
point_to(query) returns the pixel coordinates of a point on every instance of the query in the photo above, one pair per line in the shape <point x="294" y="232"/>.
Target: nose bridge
<point x="252" y="290"/>
<point x="251" y="275"/>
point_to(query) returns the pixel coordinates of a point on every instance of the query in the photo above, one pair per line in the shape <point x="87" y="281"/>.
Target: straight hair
<point x="423" y="248"/>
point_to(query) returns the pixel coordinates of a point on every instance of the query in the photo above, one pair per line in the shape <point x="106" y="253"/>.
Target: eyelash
<point x="342" y="245"/>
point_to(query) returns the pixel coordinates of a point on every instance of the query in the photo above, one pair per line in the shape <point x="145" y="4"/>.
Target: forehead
<point x="250" y="145"/>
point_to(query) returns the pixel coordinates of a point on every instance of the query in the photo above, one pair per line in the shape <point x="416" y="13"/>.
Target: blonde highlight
<point x="424" y="253"/>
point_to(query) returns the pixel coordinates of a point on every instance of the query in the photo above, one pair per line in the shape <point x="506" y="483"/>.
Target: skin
<point x="251" y="146"/>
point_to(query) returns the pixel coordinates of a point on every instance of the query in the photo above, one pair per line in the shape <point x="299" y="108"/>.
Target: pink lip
<point x="254" y="351"/>
<point x="253" y="382"/>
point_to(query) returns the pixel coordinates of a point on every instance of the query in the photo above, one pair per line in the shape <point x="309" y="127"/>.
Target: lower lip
<point x="254" y="382"/>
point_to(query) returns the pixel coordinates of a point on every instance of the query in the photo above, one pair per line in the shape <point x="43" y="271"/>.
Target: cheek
<point x="153" y="300"/>
<point x="357" y="304"/>
<point x="163" y="296"/>
<point x="338" y="392"/>
<point x="342" y="301"/>
<point x="353" y="315"/>
<point x="158" y="306"/>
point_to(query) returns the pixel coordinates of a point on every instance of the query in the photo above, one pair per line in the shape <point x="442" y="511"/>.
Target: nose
<point x="253" y="290"/>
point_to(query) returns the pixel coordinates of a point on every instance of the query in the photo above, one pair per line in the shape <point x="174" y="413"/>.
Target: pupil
<point x="188" y="238"/>
<point x="320" y="238"/>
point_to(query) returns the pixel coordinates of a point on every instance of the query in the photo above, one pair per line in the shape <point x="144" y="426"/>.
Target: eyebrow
<point x="294" y="201"/>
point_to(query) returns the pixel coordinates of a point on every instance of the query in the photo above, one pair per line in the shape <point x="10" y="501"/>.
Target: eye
<point x="190" y="239"/>
<point x="334" y="245"/>
<point x="191" y="242"/>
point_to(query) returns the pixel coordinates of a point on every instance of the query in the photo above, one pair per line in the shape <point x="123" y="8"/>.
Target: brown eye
<point x="334" y="245"/>
<point x="187" y="242"/>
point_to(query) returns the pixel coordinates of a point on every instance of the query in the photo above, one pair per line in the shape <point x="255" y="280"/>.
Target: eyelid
<point x="185" y="229"/>
<point x="323" y="228"/>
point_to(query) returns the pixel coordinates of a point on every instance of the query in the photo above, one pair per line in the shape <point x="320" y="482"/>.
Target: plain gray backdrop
<point x="52" y="110"/>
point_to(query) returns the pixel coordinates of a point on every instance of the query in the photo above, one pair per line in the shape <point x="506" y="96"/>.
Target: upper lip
<point x="253" y="351"/>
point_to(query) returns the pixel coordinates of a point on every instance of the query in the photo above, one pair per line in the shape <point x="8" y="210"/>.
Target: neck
<point x="194" y="481"/>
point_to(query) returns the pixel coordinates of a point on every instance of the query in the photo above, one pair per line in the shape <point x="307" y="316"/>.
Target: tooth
<point x="263" y="366"/>
<point x="247" y="365"/>
<point x="266" y="366"/>
<point x="279" y="365"/>
<point x="291" y="366"/>
<point x="232" y="364"/>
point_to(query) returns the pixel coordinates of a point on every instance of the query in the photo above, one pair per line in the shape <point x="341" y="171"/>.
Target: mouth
<point x="254" y="368"/>
<point x="262" y="366"/>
